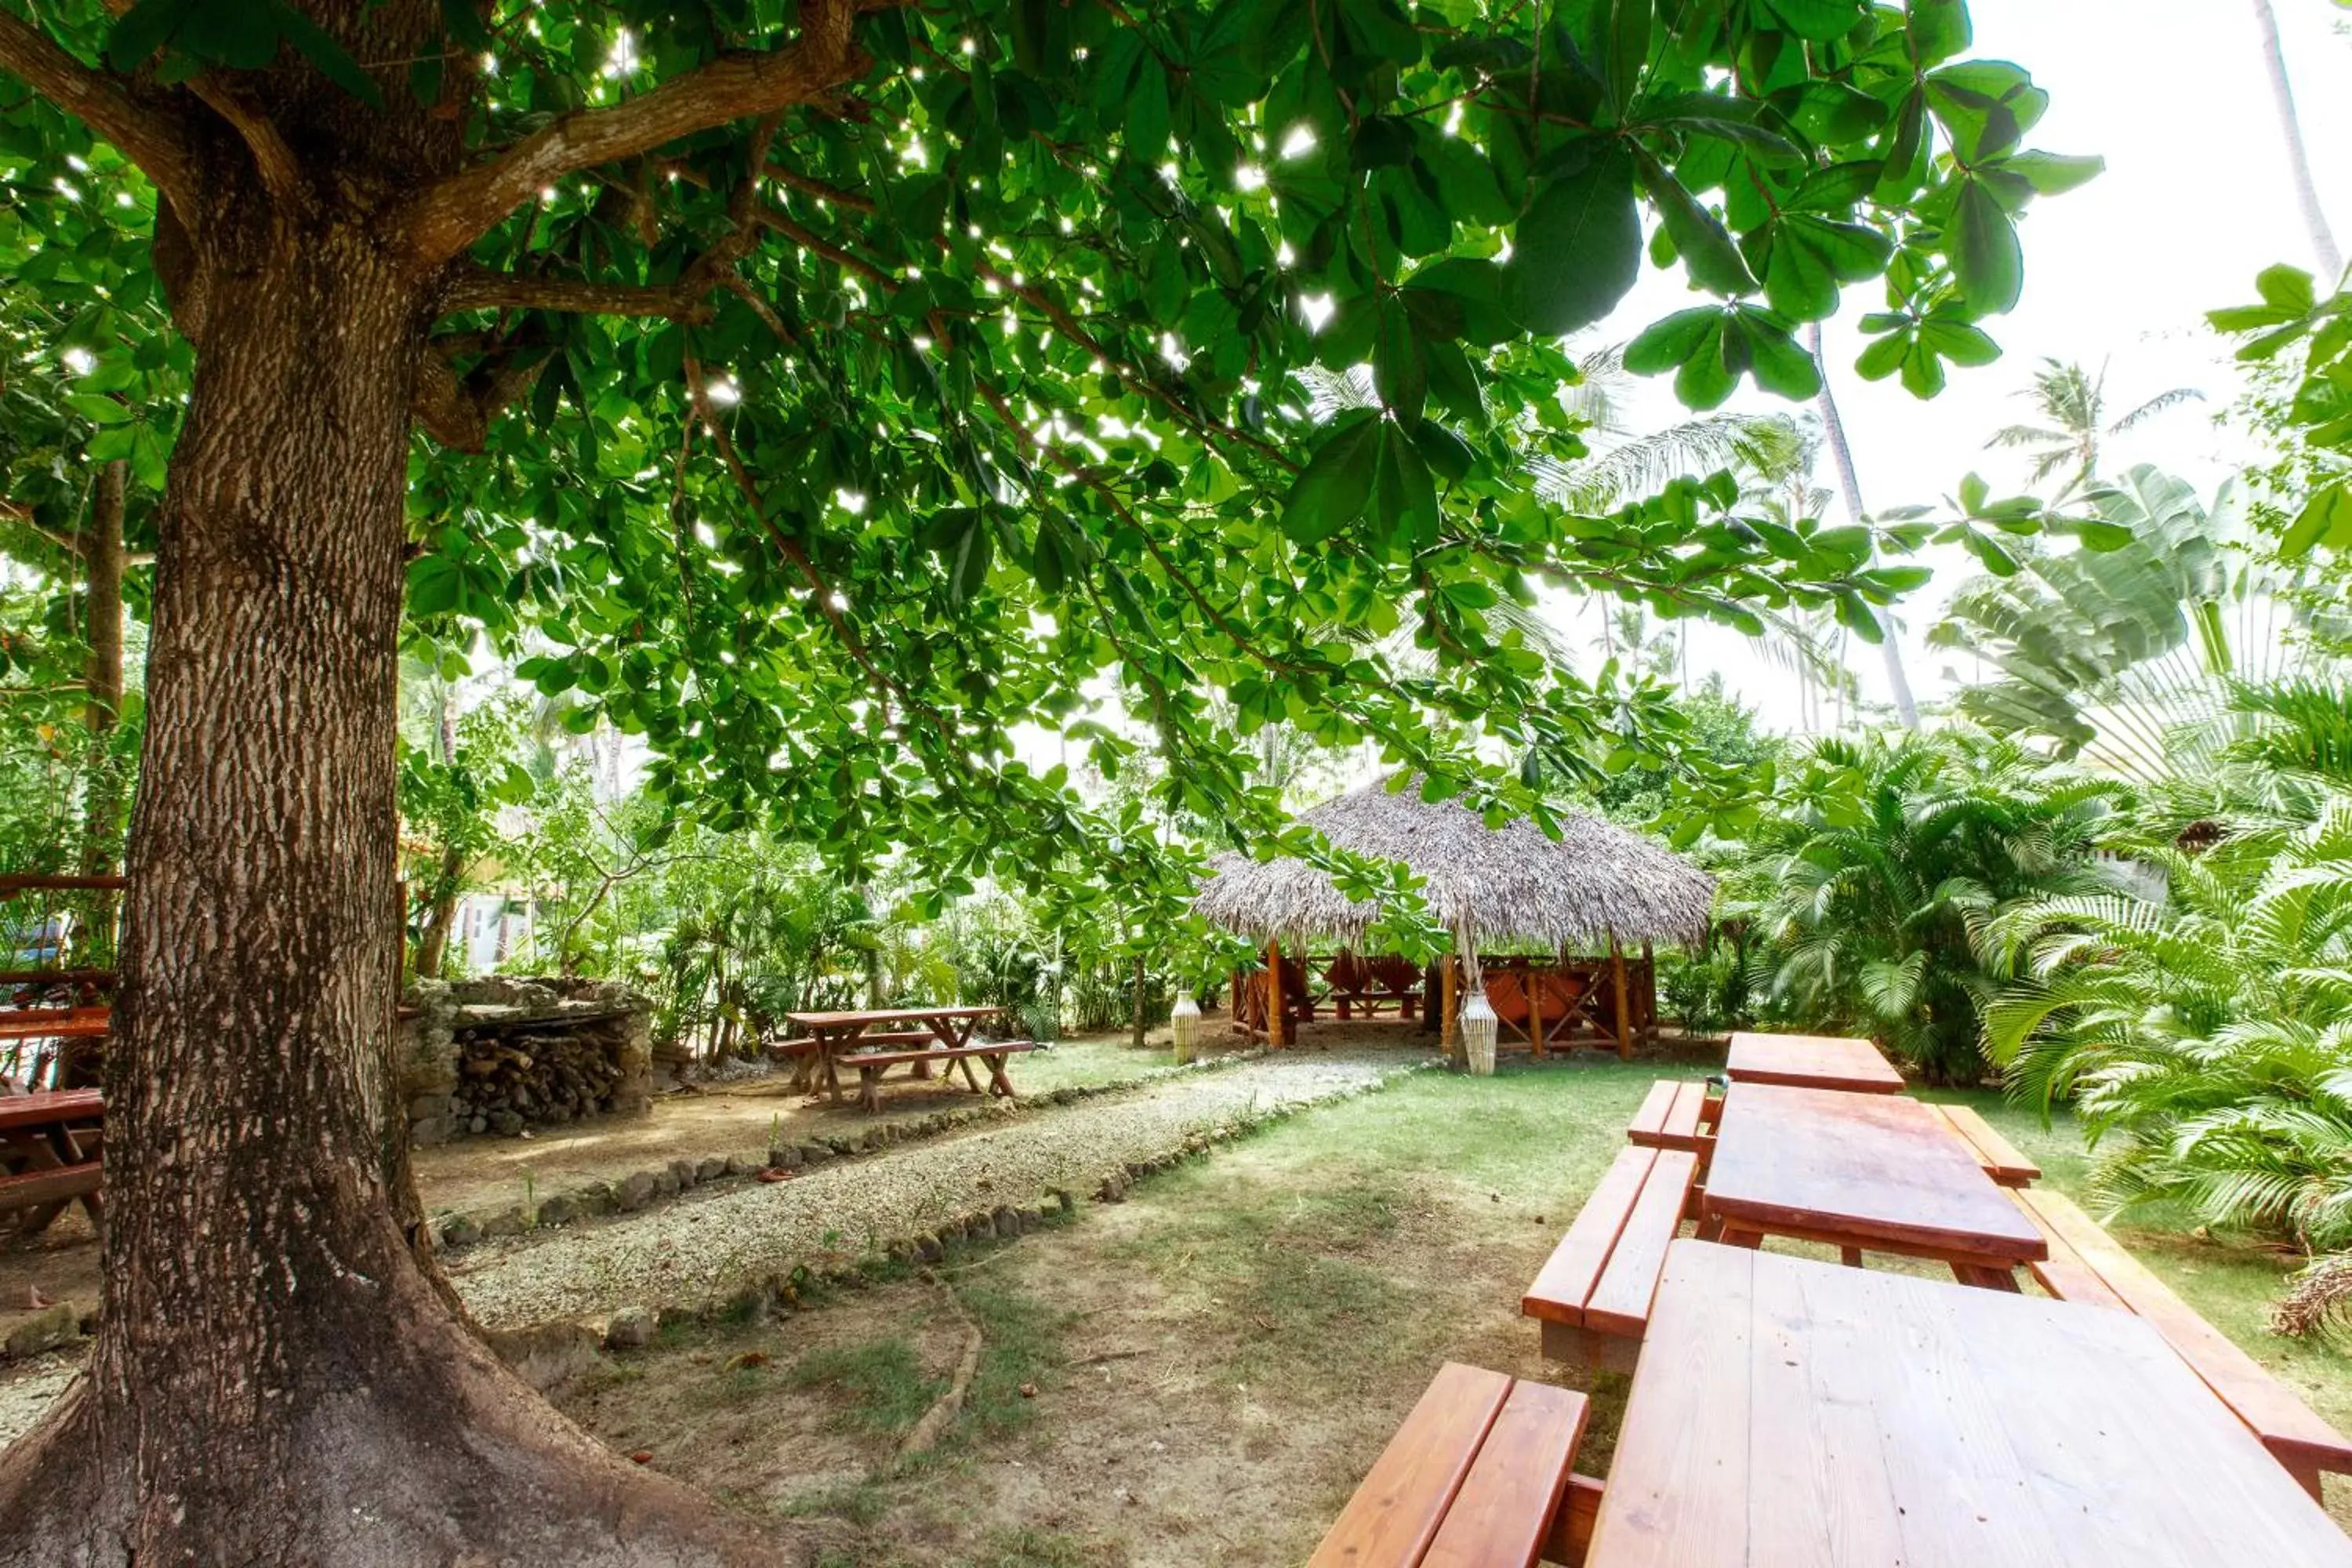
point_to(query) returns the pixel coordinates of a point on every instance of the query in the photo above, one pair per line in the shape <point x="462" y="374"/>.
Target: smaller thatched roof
<point x="1509" y="884"/>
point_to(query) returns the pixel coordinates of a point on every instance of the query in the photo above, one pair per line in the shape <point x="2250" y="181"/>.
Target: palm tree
<point x="1890" y="647"/>
<point x="2306" y="192"/>
<point x="2073" y="406"/>
<point x="1628" y="463"/>
<point x="1869" y="885"/>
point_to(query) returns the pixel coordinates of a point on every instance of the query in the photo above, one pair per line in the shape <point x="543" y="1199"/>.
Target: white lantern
<point x="1479" y="1026"/>
<point x="1184" y="1022"/>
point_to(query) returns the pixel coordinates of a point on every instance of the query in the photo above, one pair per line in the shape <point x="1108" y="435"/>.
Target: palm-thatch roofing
<point x="1509" y="884"/>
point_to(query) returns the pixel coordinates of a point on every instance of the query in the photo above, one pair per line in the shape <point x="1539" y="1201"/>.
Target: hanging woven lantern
<point x="1184" y="1022"/>
<point x="1478" y="1023"/>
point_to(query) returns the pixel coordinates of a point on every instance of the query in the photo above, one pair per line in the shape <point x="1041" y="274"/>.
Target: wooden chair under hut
<point x="1596" y="901"/>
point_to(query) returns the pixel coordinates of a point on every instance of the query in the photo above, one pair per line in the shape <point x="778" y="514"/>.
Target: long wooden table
<point x="836" y="1035"/>
<point x="49" y="1155"/>
<point x="1810" y="1061"/>
<point x="1789" y="1414"/>
<point x="1864" y="1173"/>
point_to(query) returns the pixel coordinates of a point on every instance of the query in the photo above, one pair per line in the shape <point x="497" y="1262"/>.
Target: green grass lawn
<point x="1210" y="1366"/>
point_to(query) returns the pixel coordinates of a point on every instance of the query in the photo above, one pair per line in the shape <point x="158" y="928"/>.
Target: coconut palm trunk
<point x="1890" y="649"/>
<point x="2298" y="157"/>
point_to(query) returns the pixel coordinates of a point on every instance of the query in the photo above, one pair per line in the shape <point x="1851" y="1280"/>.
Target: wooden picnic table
<point x="49" y="1155"/>
<point x="1791" y="1413"/>
<point x="827" y="1038"/>
<point x="1864" y="1173"/>
<point x="1810" y="1061"/>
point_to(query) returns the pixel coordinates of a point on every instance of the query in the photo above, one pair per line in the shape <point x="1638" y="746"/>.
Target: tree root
<point x="439" y="1457"/>
<point x="927" y="1432"/>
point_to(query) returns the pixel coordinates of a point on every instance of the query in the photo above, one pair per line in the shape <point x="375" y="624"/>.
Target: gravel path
<point x="707" y="1245"/>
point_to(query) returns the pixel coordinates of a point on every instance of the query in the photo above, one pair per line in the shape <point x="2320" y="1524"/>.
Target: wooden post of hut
<point x="1624" y="1009"/>
<point x="1276" y="1017"/>
<point x="1539" y="986"/>
<point x="1650" y="993"/>
<point x="1449" y="969"/>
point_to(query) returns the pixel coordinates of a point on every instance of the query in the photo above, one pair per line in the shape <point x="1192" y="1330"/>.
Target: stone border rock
<point x="657" y="1184"/>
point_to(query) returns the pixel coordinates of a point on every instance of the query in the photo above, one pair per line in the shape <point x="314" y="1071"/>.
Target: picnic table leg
<point x="999" y="1083"/>
<point x="969" y="1076"/>
<point x="1987" y="1278"/>
<point x="42" y="1152"/>
<point x="1850" y="1256"/>
<point x="831" y="1069"/>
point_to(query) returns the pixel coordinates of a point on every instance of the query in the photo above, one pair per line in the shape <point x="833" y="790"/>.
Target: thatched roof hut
<point x="1596" y="882"/>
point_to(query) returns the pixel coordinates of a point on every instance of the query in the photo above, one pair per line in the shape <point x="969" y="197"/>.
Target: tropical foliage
<point x="1876" y="865"/>
<point x="2200" y="1019"/>
<point x="2130" y="653"/>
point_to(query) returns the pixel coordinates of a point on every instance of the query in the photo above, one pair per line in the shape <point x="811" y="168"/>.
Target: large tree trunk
<point x="282" y="1377"/>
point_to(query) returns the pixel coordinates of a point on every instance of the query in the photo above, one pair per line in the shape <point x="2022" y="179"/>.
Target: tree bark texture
<point x="282" y="1377"/>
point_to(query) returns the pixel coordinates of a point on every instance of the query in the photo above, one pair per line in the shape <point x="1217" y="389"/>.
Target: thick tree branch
<point x="442" y="222"/>
<point x="456" y="410"/>
<point x="281" y="173"/>
<point x="483" y="289"/>
<point x="150" y="135"/>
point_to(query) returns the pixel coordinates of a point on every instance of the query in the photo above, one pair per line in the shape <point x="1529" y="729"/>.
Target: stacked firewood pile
<point x="507" y="1081"/>
<point x="499" y="1055"/>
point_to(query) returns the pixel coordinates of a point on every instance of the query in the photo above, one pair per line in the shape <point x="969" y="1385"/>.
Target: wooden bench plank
<point x="51" y="1107"/>
<point x="1998" y="1157"/>
<point x="862" y="1059"/>
<point x="1681" y="1129"/>
<point x="1620" y="1302"/>
<point x="1650" y="1121"/>
<point x="2292" y="1430"/>
<point x="1569" y="1276"/>
<point x="31" y="1188"/>
<point x="1503" y="1515"/>
<point x="1397" y="1511"/>
<point x="2064" y="1273"/>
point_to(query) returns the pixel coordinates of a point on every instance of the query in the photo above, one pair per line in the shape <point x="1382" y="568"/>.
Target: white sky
<point x="2196" y="200"/>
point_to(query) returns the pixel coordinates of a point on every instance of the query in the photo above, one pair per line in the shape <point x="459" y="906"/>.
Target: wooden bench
<point x="1478" y="1477"/>
<point x="2087" y="1265"/>
<point x="50" y="1151"/>
<point x="1369" y="1002"/>
<point x="2001" y="1161"/>
<point x="1675" y="1115"/>
<point x="1593" y="1294"/>
<point x="872" y="1065"/>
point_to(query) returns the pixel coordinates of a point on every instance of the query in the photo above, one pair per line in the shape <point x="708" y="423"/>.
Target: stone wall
<point x="499" y="1055"/>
